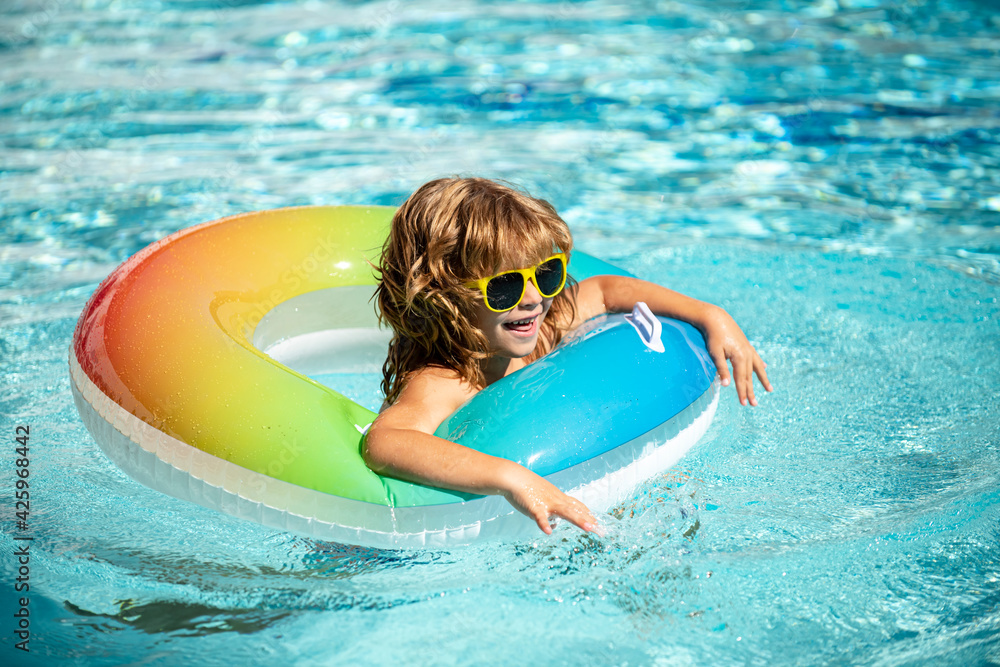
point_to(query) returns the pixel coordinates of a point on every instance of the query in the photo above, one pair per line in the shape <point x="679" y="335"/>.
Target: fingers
<point x="746" y="379"/>
<point x="744" y="388"/>
<point x="727" y="344"/>
<point x="748" y="396"/>
<point x="567" y="508"/>
<point x="741" y="375"/>
<point x="718" y="355"/>
<point x="543" y="523"/>
<point x="760" y="368"/>
<point x="745" y="366"/>
<point x="578" y="515"/>
<point x="539" y="499"/>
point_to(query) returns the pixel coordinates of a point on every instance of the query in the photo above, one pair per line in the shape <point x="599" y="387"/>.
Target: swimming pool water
<point x="826" y="171"/>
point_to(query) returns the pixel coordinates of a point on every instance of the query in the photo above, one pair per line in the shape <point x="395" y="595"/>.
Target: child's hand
<point x="725" y="340"/>
<point x="539" y="499"/>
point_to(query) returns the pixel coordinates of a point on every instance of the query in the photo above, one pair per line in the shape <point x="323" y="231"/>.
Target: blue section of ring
<point x="582" y="265"/>
<point x="602" y="387"/>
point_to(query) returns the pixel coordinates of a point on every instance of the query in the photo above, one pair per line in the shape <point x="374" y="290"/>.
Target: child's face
<point x="514" y="333"/>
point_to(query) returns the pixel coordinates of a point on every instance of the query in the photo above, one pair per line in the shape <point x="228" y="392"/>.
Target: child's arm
<point x="723" y="337"/>
<point x="401" y="443"/>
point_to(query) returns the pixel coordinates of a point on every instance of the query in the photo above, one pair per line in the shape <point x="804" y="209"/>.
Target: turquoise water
<point x="826" y="171"/>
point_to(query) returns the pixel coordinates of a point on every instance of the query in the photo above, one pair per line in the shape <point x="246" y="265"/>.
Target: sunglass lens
<point x="549" y="276"/>
<point x="504" y="291"/>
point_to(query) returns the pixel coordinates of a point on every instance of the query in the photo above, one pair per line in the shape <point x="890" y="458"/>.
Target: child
<point x="458" y="326"/>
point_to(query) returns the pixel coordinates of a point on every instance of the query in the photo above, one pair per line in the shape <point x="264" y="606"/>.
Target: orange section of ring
<point x="167" y="337"/>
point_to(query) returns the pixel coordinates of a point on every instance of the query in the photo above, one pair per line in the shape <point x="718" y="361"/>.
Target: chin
<point x="519" y="349"/>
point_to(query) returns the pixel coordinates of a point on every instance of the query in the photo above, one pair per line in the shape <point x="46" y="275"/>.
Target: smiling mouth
<point x="523" y="326"/>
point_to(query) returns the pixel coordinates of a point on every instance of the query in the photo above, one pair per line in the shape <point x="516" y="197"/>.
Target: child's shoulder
<point x="437" y="377"/>
<point x="431" y="392"/>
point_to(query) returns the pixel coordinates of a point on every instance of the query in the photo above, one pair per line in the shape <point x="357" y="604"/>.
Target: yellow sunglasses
<point x="506" y="289"/>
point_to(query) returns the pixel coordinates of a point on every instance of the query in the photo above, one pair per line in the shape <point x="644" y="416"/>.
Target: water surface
<point x="826" y="171"/>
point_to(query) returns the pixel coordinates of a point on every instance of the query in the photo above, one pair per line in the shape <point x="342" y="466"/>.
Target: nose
<point x="531" y="297"/>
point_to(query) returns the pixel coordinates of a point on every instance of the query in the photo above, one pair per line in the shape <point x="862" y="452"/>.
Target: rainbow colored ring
<point x="176" y="374"/>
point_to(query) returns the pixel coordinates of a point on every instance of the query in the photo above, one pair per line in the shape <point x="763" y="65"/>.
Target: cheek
<point x="486" y="319"/>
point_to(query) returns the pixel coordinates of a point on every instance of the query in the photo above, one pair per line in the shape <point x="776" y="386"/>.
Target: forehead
<point x="524" y="259"/>
<point x="520" y="241"/>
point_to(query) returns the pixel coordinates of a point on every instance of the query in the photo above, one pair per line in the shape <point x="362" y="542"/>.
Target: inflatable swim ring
<point x="190" y="366"/>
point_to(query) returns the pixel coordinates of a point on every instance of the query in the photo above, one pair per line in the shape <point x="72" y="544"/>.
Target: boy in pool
<point x="473" y="283"/>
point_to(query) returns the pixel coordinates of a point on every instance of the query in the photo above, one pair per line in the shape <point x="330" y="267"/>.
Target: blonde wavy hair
<point x="449" y="232"/>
